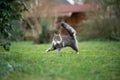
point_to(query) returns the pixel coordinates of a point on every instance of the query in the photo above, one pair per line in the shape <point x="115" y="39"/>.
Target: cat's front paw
<point x="47" y="51"/>
<point x="77" y="53"/>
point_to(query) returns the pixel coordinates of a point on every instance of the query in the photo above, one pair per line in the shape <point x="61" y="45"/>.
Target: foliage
<point x="98" y="60"/>
<point x="10" y="10"/>
<point x="95" y="28"/>
<point x="6" y="45"/>
<point x="17" y="31"/>
<point x="105" y="22"/>
<point x="8" y="64"/>
<point x="114" y="9"/>
<point x="44" y="36"/>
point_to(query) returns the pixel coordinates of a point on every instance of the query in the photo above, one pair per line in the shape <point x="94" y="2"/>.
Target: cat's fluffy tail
<point x="69" y="28"/>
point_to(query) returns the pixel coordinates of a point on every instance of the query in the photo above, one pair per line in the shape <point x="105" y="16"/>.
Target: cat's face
<point x="57" y="37"/>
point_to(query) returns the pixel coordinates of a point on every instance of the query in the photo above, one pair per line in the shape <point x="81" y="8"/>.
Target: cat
<point x="60" y="42"/>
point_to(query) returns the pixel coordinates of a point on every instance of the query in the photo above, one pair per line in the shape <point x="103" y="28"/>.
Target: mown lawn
<point x="98" y="60"/>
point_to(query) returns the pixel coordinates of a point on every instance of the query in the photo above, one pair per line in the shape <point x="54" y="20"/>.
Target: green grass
<point x="98" y="60"/>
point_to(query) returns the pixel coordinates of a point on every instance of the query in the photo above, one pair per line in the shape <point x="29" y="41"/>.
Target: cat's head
<point x="57" y="37"/>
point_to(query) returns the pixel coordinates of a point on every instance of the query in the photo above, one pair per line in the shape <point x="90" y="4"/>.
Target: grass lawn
<point x="98" y="60"/>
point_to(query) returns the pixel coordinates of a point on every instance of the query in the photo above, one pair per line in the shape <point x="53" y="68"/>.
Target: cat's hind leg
<point x="75" y="47"/>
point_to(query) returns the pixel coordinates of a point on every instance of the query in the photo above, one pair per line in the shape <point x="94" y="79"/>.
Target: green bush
<point x="9" y="64"/>
<point x="99" y="28"/>
<point x="17" y="31"/>
<point x="10" y="11"/>
<point x="45" y="35"/>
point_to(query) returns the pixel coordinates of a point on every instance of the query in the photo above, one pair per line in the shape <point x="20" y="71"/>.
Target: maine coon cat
<point x="60" y="42"/>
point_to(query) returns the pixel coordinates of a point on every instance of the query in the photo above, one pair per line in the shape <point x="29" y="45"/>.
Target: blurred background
<point x="36" y="19"/>
<point x="91" y="19"/>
